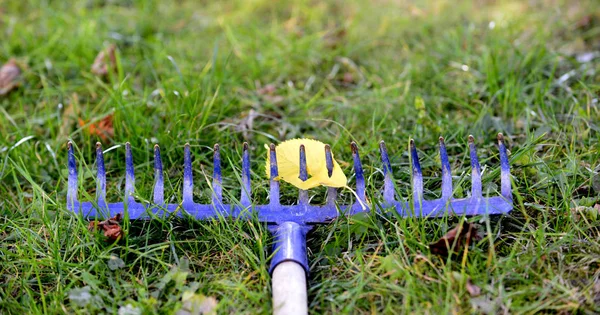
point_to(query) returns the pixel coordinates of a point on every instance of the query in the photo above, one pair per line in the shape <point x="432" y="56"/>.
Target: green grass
<point x="191" y="72"/>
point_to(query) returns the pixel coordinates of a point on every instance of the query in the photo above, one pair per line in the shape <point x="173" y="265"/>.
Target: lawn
<point x="206" y="72"/>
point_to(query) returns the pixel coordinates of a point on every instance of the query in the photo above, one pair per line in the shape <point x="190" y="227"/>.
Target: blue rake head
<point x="290" y="223"/>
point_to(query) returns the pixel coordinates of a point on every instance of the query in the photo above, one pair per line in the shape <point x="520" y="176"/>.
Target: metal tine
<point x="303" y="194"/>
<point x="101" y="183"/>
<point x="129" y="174"/>
<point x="188" y="180"/>
<point x="273" y="184"/>
<point x="72" y="190"/>
<point x="159" y="186"/>
<point x="475" y="170"/>
<point x="358" y="170"/>
<point x="446" y="171"/>
<point x="217" y="178"/>
<point x="505" y="186"/>
<point x="246" y="187"/>
<point x="417" y="174"/>
<point x="388" y="184"/>
<point x="331" y="191"/>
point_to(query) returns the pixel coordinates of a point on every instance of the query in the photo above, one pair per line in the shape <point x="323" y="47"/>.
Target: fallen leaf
<point x="484" y="305"/>
<point x="102" y="128"/>
<point x="267" y="93"/>
<point x="246" y="124"/>
<point x="129" y="310"/>
<point x="105" y="61"/>
<point x="288" y="165"/>
<point x="110" y="227"/>
<point x="9" y="76"/>
<point x="455" y="240"/>
<point x="472" y="288"/>
<point x="590" y="213"/>
<point x="80" y="296"/>
<point x="115" y="263"/>
<point x="268" y="89"/>
<point x="197" y="304"/>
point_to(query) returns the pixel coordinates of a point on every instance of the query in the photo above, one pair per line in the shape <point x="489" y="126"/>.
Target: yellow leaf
<point x="288" y="165"/>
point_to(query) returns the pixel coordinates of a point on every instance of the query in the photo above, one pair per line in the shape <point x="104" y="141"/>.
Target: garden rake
<point x="290" y="223"/>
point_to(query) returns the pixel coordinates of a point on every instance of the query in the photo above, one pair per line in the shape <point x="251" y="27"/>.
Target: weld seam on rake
<point x="291" y="223"/>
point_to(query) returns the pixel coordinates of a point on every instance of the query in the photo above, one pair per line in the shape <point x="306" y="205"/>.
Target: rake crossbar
<point x="303" y="212"/>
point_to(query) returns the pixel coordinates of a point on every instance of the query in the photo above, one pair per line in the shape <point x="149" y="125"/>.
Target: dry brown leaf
<point x="455" y="240"/>
<point x="472" y="288"/>
<point x="102" y="128"/>
<point x="267" y="93"/>
<point x="105" y="61"/>
<point x="246" y="124"/>
<point x="268" y="89"/>
<point x="110" y="228"/>
<point x="9" y="76"/>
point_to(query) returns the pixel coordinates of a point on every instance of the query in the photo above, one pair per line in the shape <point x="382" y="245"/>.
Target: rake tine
<point x="475" y="170"/>
<point x="159" y="186"/>
<point x="273" y="184"/>
<point x="217" y="178"/>
<point x="72" y="189"/>
<point x="129" y="174"/>
<point x="188" y="180"/>
<point x="246" y="187"/>
<point x="446" y="172"/>
<point x="388" y="185"/>
<point x="303" y="194"/>
<point x="417" y="175"/>
<point x="328" y="160"/>
<point x="101" y="184"/>
<point x="331" y="191"/>
<point x="505" y="188"/>
<point x="358" y="170"/>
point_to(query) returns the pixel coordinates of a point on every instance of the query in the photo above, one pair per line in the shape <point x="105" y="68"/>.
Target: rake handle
<point x="289" y="269"/>
<point x="289" y="289"/>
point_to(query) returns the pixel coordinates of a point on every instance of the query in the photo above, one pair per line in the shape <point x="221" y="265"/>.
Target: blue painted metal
<point x="290" y="244"/>
<point x="290" y="223"/>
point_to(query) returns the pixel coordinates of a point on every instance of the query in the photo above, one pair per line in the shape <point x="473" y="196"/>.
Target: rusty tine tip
<point x="69" y="144"/>
<point x="98" y="145"/>
<point x="302" y="147"/>
<point x="441" y="139"/>
<point x="216" y="147"/>
<point x="245" y="145"/>
<point x="127" y="144"/>
<point x="187" y="144"/>
<point x="500" y="137"/>
<point x="382" y="143"/>
<point x="327" y="147"/>
<point x="272" y="147"/>
<point x="471" y="139"/>
<point x="354" y="147"/>
<point x="412" y="143"/>
<point x="156" y="147"/>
